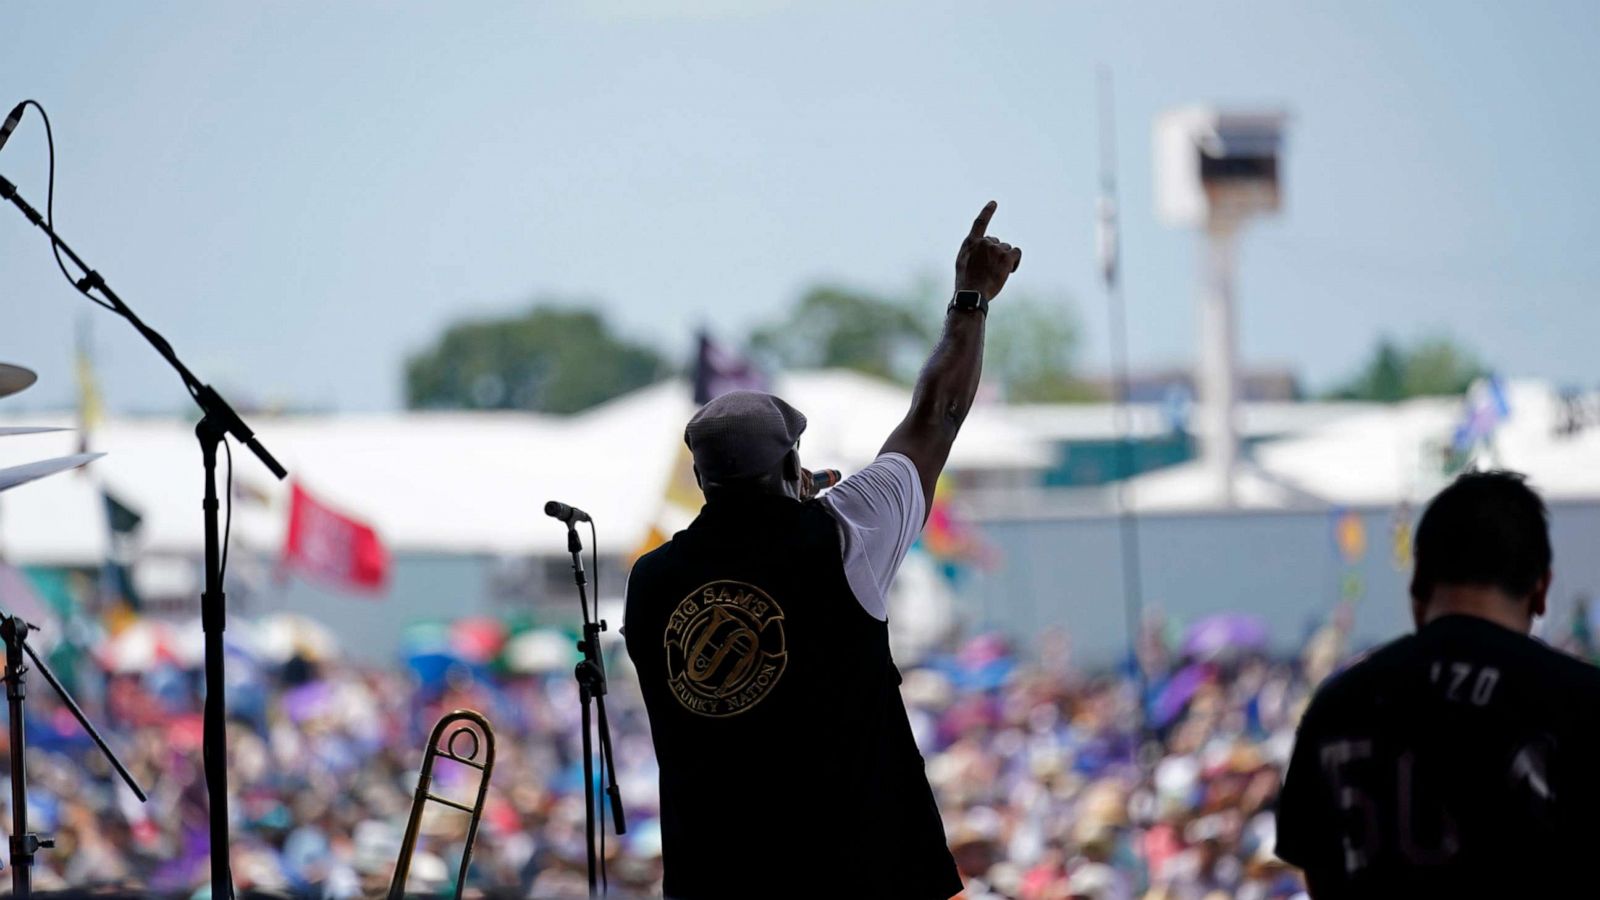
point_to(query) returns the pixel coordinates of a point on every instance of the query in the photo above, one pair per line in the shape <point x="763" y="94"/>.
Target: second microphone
<point x="555" y="509"/>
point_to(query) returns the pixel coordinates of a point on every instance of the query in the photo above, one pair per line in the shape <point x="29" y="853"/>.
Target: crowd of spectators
<point x="1153" y="781"/>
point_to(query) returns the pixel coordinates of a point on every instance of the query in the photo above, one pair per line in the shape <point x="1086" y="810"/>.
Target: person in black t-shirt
<point x="1458" y="761"/>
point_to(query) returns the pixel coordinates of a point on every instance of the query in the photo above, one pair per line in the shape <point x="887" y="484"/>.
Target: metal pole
<point x="217" y="420"/>
<point x="21" y="841"/>
<point x="588" y="786"/>
<point x="83" y="721"/>
<point x="586" y="675"/>
<point x="25" y="844"/>
<point x="1117" y="321"/>
<point x="213" y="614"/>
<point x="1219" y="342"/>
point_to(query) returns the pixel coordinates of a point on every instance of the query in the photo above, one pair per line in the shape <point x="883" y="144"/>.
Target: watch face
<point x="967" y="299"/>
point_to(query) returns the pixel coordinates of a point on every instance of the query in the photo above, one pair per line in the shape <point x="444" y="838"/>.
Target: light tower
<point x="1216" y="170"/>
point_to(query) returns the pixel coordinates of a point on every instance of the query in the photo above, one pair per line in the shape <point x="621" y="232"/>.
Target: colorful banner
<point x="91" y="407"/>
<point x="1485" y="408"/>
<point x="332" y="547"/>
<point x="951" y="541"/>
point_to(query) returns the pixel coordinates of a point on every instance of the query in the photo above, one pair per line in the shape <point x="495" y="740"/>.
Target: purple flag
<point x="718" y="370"/>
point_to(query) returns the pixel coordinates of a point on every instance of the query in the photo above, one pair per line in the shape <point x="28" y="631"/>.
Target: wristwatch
<point x="966" y="301"/>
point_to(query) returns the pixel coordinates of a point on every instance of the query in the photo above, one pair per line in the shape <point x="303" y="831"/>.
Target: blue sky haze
<point x="299" y="194"/>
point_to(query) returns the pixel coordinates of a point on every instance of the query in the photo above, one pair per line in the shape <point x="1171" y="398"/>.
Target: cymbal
<point x="9" y="431"/>
<point x="14" y="379"/>
<point x="10" y="478"/>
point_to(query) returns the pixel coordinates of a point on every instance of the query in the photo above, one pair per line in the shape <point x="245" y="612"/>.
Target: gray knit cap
<point x="742" y="434"/>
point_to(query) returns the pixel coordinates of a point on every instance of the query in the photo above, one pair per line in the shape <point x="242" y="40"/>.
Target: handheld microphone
<point x="825" y="478"/>
<point x="11" y="123"/>
<point x="555" y="509"/>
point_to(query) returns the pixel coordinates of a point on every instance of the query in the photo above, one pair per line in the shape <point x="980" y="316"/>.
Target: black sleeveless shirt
<point x="788" y="767"/>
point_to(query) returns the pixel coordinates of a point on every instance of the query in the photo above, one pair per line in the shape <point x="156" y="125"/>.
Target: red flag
<point x="331" y="547"/>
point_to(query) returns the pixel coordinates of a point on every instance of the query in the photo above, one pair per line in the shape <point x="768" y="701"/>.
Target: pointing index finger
<point x="981" y="223"/>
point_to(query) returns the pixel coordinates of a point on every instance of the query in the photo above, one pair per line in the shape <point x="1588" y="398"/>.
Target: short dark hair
<point x="1486" y="528"/>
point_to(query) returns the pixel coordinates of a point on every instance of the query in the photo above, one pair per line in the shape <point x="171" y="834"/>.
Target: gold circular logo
<point x="725" y="648"/>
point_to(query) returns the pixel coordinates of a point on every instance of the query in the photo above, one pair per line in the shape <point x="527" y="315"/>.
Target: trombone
<point x="468" y="756"/>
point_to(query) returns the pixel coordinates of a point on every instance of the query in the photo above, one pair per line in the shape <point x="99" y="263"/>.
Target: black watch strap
<point x="968" y="301"/>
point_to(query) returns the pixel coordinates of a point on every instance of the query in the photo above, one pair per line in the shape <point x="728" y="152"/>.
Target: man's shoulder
<point x="821" y="511"/>
<point x="1376" y="663"/>
<point x="1572" y="673"/>
<point x="1355" y="682"/>
<point x="1378" y="672"/>
<point x="648" y="563"/>
<point x="1486" y="643"/>
<point x="655" y="556"/>
<point x="889" y="476"/>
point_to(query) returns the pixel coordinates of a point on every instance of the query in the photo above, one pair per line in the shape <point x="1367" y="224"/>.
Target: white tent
<point x="445" y="482"/>
<point x="1386" y="455"/>
<point x="476" y="483"/>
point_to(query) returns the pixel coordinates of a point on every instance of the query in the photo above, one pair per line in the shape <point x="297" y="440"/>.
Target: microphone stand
<point x="217" y="421"/>
<point x="14" y="631"/>
<point x="591" y="675"/>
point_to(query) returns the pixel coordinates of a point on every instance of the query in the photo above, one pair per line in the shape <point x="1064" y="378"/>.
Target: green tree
<point x="1031" y="350"/>
<point x="1435" y="366"/>
<point x="556" y="357"/>
<point x="837" y="327"/>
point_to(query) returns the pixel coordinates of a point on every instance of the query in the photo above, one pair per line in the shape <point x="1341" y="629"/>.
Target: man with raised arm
<point x="761" y="641"/>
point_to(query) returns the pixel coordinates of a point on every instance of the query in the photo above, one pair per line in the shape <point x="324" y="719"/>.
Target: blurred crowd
<point x="1153" y="781"/>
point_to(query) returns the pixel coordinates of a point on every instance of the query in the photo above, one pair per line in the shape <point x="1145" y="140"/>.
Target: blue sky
<point x="298" y="194"/>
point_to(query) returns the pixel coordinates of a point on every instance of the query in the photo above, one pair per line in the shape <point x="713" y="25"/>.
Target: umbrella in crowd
<point x="1177" y="692"/>
<point x="1225" y="633"/>
<point x="541" y="650"/>
<point x="477" y="639"/>
<point x="282" y="636"/>
<point x="145" y="644"/>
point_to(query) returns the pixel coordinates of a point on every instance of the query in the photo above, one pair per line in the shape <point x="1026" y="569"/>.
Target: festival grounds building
<point x="1322" y="510"/>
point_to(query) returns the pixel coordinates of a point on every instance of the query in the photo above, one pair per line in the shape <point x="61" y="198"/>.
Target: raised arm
<point x="949" y="380"/>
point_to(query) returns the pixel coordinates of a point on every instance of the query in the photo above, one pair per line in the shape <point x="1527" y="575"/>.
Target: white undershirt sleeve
<point x="880" y="511"/>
